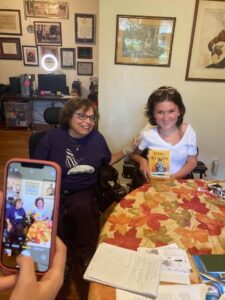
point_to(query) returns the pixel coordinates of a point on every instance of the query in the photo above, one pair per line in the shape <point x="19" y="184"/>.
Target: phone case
<point x="55" y="193"/>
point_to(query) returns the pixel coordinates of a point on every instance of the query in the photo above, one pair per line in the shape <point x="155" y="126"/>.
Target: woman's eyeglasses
<point x="169" y="91"/>
<point x="83" y="117"/>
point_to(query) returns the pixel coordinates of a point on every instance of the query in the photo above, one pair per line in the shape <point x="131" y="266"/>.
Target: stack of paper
<point x="175" y="263"/>
<point x="170" y="292"/>
<point x="133" y="271"/>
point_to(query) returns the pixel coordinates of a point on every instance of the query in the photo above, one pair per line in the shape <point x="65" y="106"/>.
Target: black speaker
<point x="14" y="83"/>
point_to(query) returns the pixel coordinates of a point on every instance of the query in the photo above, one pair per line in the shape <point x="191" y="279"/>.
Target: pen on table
<point x="212" y="278"/>
<point x="178" y="260"/>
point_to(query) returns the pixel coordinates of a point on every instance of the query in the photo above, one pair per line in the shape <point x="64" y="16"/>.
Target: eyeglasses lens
<point x="84" y="117"/>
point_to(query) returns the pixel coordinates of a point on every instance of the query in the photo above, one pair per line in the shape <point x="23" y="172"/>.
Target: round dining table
<point x="163" y="212"/>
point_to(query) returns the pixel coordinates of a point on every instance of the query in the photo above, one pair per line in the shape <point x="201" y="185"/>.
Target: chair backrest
<point x="34" y="140"/>
<point x="51" y="116"/>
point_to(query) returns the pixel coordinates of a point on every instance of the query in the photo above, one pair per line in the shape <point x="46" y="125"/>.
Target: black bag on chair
<point x="109" y="190"/>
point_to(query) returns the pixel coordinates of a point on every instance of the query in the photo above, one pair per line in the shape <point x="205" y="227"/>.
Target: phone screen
<point x="29" y="213"/>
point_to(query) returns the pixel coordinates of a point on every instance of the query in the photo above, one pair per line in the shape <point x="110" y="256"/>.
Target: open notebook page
<point x="125" y="269"/>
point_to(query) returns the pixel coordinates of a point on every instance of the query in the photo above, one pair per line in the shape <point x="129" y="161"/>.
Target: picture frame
<point x="84" y="52"/>
<point x="84" y="28"/>
<point x="48" y="33"/>
<point x="10" y="48"/>
<point x="206" y="61"/>
<point x="30" y="56"/>
<point x="144" y="40"/>
<point x="67" y="56"/>
<point x="84" y="68"/>
<point x="48" y="188"/>
<point x="10" y="22"/>
<point x="46" y="9"/>
<point x="43" y="50"/>
<point x="31" y="188"/>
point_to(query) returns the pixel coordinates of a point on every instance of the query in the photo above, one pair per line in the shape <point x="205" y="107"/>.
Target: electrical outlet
<point x="215" y="166"/>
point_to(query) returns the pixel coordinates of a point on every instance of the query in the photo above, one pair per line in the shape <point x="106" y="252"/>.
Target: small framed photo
<point x="67" y="56"/>
<point x="30" y="56"/>
<point x="48" y="188"/>
<point x="49" y="50"/>
<point x="48" y="33"/>
<point x="84" y="68"/>
<point x="84" y="52"/>
<point x="10" y="48"/>
<point x="84" y="28"/>
<point x="10" y="22"/>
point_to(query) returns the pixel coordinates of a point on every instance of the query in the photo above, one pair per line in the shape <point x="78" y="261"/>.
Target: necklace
<point x="77" y="146"/>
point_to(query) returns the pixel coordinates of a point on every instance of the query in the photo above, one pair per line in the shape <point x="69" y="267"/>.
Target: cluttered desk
<point x="177" y="215"/>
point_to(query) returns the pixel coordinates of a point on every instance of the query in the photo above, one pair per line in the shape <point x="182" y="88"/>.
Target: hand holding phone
<point x="47" y="287"/>
<point x="30" y="212"/>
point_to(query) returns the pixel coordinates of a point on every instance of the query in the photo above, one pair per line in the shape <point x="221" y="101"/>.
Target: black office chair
<point x="131" y="171"/>
<point x="51" y="117"/>
<point x="109" y="189"/>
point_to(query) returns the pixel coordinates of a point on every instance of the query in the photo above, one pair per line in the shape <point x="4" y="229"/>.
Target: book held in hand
<point x="159" y="163"/>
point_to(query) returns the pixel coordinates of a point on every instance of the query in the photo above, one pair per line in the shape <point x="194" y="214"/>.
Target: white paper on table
<point x="175" y="263"/>
<point x="174" y="277"/>
<point x="126" y="269"/>
<point x="170" y="292"/>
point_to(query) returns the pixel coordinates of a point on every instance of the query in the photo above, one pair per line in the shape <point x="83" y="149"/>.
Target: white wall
<point x="124" y="89"/>
<point x="16" y="67"/>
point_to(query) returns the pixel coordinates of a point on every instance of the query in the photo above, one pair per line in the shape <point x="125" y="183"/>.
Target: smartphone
<point x="30" y="212"/>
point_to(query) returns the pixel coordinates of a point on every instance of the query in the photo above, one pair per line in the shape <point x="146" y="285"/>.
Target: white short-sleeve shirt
<point x="150" y="139"/>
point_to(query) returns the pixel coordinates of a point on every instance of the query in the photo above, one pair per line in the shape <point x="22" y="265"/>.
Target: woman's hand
<point x="143" y="168"/>
<point x="27" y="285"/>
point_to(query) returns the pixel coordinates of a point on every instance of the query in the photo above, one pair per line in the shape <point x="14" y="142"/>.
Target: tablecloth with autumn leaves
<point x="164" y="212"/>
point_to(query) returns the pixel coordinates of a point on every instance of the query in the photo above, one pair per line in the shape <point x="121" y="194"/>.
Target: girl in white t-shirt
<point x="165" y="111"/>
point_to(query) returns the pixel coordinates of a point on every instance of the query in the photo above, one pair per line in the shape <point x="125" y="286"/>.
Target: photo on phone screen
<point x="29" y="212"/>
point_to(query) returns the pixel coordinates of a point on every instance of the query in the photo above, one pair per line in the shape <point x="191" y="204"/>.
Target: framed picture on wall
<point x="46" y="9"/>
<point x="84" y="68"/>
<point x="49" y="50"/>
<point x="67" y="56"/>
<point x="206" y="59"/>
<point x="10" y="22"/>
<point x="10" y="48"/>
<point x="48" y="33"/>
<point x="84" y="52"/>
<point x="142" y="40"/>
<point x="30" y="56"/>
<point x="84" y="28"/>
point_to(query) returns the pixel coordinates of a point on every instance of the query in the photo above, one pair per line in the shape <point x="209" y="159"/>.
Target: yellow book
<point x="159" y="163"/>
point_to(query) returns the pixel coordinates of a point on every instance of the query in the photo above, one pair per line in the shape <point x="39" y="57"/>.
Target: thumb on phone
<point x="26" y="281"/>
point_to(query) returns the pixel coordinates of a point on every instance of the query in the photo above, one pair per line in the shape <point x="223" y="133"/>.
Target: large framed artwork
<point x="206" y="59"/>
<point x="48" y="33"/>
<point x="142" y="40"/>
<point x="10" y="22"/>
<point x="46" y="9"/>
